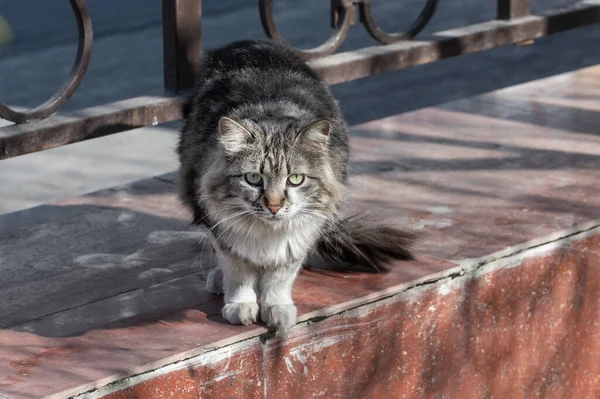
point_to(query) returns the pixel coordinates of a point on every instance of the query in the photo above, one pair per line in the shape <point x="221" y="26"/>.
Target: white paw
<point x="214" y="281"/>
<point x="282" y="317"/>
<point x="240" y="312"/>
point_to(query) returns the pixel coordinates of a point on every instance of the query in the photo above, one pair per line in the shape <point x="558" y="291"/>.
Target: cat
<point x="264" y="166"/>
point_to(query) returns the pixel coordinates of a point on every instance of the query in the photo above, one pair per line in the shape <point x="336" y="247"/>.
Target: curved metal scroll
<point x="366" y="17"/>
<point x="345" y="15"/>
<point x="84" y="48"/>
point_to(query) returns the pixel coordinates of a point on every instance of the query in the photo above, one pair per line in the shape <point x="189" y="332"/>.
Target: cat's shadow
<point x="177" y="300"/>
<point x="137" y="269"/>
<point x="143" y="277"/>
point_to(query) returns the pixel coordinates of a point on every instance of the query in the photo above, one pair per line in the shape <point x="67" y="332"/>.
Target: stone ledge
<point x="404" y="344"/>
<point x="103" y="287"/>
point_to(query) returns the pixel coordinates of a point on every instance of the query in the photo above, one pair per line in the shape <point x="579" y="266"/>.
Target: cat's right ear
<point x="233" y="136"/>
<point x="316" y="134"/>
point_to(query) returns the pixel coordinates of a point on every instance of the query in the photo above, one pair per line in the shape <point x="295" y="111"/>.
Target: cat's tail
<point x="364" y="242"/>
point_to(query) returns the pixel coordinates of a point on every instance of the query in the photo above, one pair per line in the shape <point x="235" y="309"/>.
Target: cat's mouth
<point x="275" y="218"/>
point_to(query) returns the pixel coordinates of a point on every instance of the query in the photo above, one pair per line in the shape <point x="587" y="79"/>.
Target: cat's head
<point x="273" y="170"/>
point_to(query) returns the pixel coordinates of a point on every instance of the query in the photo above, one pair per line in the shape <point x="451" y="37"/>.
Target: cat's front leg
<point x="214" y="281"/>
<point x="240" y="286"/>
<point x="276" y="305"/>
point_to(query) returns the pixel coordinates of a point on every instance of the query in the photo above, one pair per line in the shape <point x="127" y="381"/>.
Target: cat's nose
<point x="274" y="208"/>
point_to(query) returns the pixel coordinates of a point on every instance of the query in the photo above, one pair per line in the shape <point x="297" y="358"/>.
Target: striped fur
<point x="257" y="109"/>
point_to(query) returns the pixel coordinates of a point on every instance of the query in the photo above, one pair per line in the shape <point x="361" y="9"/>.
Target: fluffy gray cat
<point x="264" y="157"/>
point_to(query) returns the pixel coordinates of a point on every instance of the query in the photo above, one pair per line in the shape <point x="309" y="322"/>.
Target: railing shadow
<point x="111" y="259"/>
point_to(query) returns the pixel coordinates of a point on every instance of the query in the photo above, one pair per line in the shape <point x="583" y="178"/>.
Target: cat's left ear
<point x="317" y="133"/>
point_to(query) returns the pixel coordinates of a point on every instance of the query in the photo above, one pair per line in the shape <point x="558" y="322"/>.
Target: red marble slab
<point x="122" y="305"/>
<point x="521" y="327"/>
<point x="238" y="375"/>
<point x="472" y="185"/>
<point x="528" y="329"/>
<point x="38" y="360"/>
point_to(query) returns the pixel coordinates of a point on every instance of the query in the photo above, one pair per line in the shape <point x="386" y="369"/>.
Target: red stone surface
<point x="239" y="375"/>
<point x="530" y="331"/>
<point x="473" y="177"/>
<point x="137" y="346"/>
<point x="451" y="175"/>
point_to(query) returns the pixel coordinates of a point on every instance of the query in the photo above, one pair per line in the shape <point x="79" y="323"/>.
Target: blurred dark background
<point x="127" y="53"/>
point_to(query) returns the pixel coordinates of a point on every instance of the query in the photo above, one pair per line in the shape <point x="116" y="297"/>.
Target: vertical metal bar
<point x="182" y="42"/>
<point x="511" y="9"/>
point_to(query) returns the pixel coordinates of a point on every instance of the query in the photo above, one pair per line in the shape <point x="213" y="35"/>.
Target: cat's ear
<point x="232" y="135"/>
<point x="317" y="134"/>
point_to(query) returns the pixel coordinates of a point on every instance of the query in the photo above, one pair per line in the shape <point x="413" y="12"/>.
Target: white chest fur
<point x="264" y="244"/>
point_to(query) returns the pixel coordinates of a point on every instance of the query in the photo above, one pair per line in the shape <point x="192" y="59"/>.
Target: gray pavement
<point x="127" y="62"/>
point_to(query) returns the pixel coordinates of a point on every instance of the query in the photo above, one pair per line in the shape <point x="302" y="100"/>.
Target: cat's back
<point x="260" y="72"/>
<point x="254" y="56"/>
<point x="258" y="80"/>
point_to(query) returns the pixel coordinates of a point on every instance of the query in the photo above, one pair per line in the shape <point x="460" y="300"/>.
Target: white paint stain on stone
<point x="137" y="258"/>
<point x="110" y="261"/>
<point x="122" y="194"/>
<point x="222" y="377"/>
<point x="289" y="365"/>
<point x="302" y="354"/>
<point x="439" y="210"/>
<point x="155" y="272"/>
<point x="125" y="217"/>
<point x="99" y="261"/>
<point x="438" y="224"/>
<point x="444" y="289"/>
<point x="167" y="237"/>
<point x="126" y="312"/>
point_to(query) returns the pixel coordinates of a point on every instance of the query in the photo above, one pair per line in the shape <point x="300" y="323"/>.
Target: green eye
<point x="296" y="179"/>
<point x="253" y="178"/>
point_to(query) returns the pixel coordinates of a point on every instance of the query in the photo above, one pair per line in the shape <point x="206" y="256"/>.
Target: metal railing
<point x="39" y="129"/>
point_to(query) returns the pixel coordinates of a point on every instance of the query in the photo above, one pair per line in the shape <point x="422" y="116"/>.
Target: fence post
<point x="182" y="42"/>
<point x="511" y="9"/>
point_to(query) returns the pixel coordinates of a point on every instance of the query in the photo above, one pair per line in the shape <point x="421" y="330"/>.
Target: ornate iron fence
<point x="39" y="129"/>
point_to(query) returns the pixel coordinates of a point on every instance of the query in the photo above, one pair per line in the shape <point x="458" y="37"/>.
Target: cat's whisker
<point x="199" y="197"/>
<point x="223" y="232"/>
<point x="317" y="209"/>
<point x="317" y="227"/>
<point x="322" y="216"/>
<point x="208" y="233"/>
<point x="323" y="236"/>
<point x="232" y="224"/>
<point x="248" y="232"/>
<point x="233" y="215"/>
<point x="235" y="233"/>
<point x="217" y="211"/>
